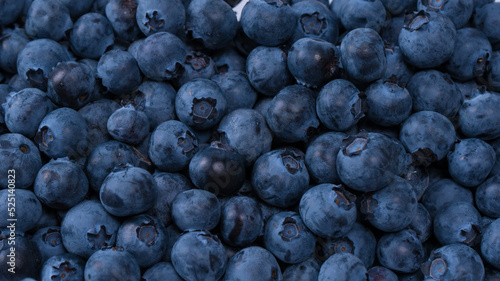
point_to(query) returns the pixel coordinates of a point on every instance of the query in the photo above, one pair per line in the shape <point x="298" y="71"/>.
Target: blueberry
<point x="396" y="7"/>
<point x="400" y="251"/>
<point x="485" y="20"/>
<point x="241" y="221"/>
<point x="200" y="103"/>
<point x="128" y="190"/>
<point x="87" y="227"/>
<point x="313" y="61"/>
<point x="199" y="255"/>
<point x="339" y="105"/>
<point x="78" y="7"/>
<point x="36" y="60"/>
<point x="489" y="244"/>
<point x="458" y="222"/>
<point x="288" y="238"/>
<point x="454" y="262"/>
<point x="417" y="45"/>
<point x="196" y="210"/>
<point x="122" y="17"/>
<point x="157" y="100"/>
<point x="154" y="16"/>
<point x="28" y="209"/>
<point x="91" y="35"/>
<point x="267" y="70"/>
<point x="428" y="135"/>
<point x="96" y="114"/>
<point x="253" y="263"/>
<point x="63" y="267"/>
<point x="158" y="272"/>
<point x="228" y="59"/>
<point x="433" y="90"/>
<point x="118" y="72"/>
<point x="237" y="89"/>
<point x="362" y="54"/>
<point x="381" y="273"/>
<point x="370" y="162"/>
<point x="210" y="22"/>
<point x="396" y="65"/>
<point x="328" y="210"/>
<point x="48" y="240"/>
<point x="478" y="117"/>
<point x="217" y="168"/>
<point x="25" y="110"/>
<point x="12" y="42"/>
<point x="459" y="11"/>
<point x="315" y="20"/>
<point x="48" y="19"/>
<point x="61" y="184"/>
<point x="391" y="29"/>
<point x="389" y="104"/>
<point x="280" y="177"/>
<point x="11" y="9"/>
<point x="494" y="71"/>
<point x="119" y="263"/>
<point x="421" y="223"/>
<point x="25" y="251"/>
<point x="343" y="266"/>
<point x="172" y="146"/>
<point x="362" y="14"/>
<point x="197" y="65"/>
<point x="128" y="125"/>
<point x="487" y="200"/>
<point x="19" y="153"/>
<point x="62" y="132"/>
<point x="268" y="22"/>
<point x="307" y="270"/>
<point x="442" y="193"/>
<point x="321" y="157"/>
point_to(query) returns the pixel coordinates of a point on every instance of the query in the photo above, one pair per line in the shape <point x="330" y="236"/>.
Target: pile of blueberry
<point x="344" y="140"/>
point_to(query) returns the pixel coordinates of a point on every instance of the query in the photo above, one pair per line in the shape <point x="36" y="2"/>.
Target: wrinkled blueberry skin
<point x="199" y="255"/>
<point x="315" y="20"/>
<point x="237" y="89"/>
<point x="241" y="221"/>
<point x="458" y="11"/>
<point x="123" y="264"/>
<point x="144" y="237"/>
<point x="442" y="193"/>
<point x="28" y="209"/>
<point x="62" y="132"/>
<point x="490" y="244"/>
<point x="400" y="251"/>
<point x="487" y="197"/>
<point x="368" y="163"/>
<point x="11" y="9"/>
<point x="121" y="15"/>
<point x="485" y="19"/>
<point x="288" y="238"/>
<point x="172" y="145"/>
<point x="313" y="62"/>
<point x="421" y="223"/>
<point x="388" y="103"/>
<point x="158" y="272"/>
<point x="427" y="39"/>
<point x="291" y="115"/>
<point x="471" y="162"/>
<point x="25" y="110"/>
<point x="433" y="90"/>
<point x="48" y="240"/>
<point x="28" y="260"/>
<point x="200" y="104"/>
<point x="105" y="157"/>
<point x="458" y="222"/>
<point x="54" y="23"/>
<point x="363" y="54"/>
<point x="343" y="266"/>
<point x="362" y="14"/>
<point x="328" y="210"/>
<point x="91" y="35"/>
<point x="61" y="184"/>
<point x="17" y="151"/>
<point x="214" y="31"/>
<point x="321" y="157"/>
<point x="428" y="130"/>
<point x="128" y="191"/>
<point x="157" y="101"/>
<point x="66" y="267"/>
<point x="479" y="118"/>
<point x="339" y="105"/>
<point x="217" y="168"/>
<point x="155" y="16"/>
<point x="269" y="23"/>
<point x="391" y="208"/>
<point x="454" y="262"/>
<point x="11" y="43"/>
<point x="471" y="55"/>
<point x="36" y="60"/>
<point x="118" y="72"/>
<point x="253" y="263"/>
<point x="128" y="125"/>
<point x="280" y="177"/>
<point x="247" y="132"/>
<point x="87" y="227"/>
<point x="493" y="74"/>
<point x="168" y="186"/>
<point x="396" y="65"/>
<point x="97" y="114"/>
<point x="196" y="210"/>
<point x="161" y="55"/>
<point x="267" y="70"/>
<point x="307" y="270"/>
